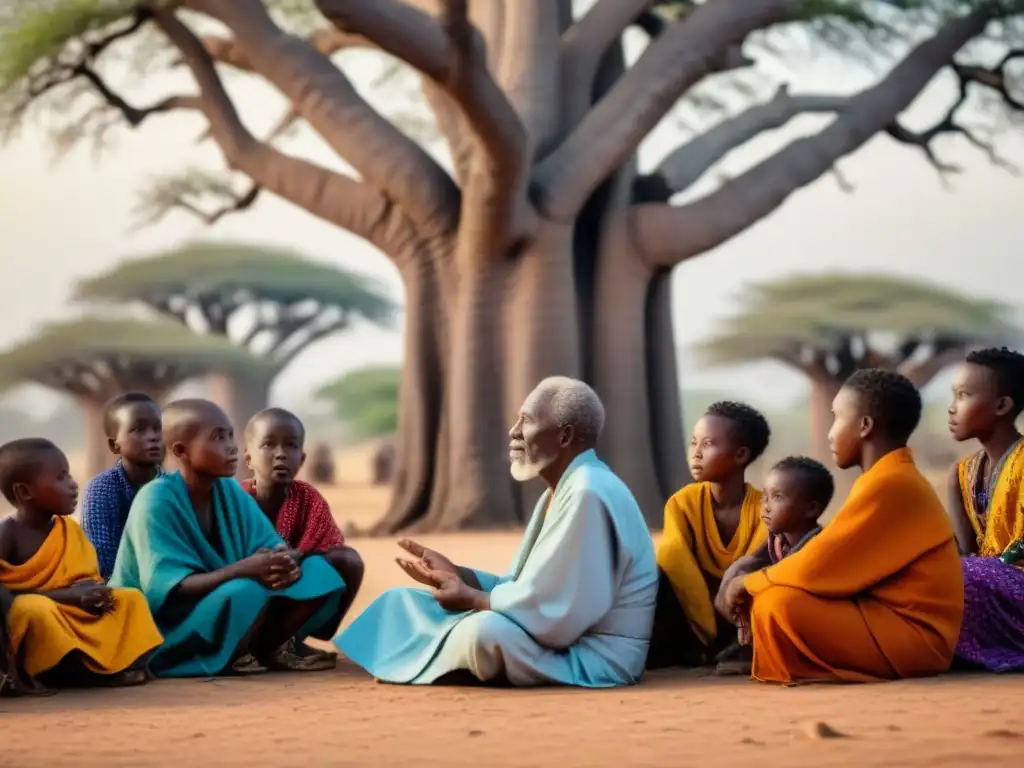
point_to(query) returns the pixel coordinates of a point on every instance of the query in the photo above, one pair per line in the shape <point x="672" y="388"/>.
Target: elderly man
<point x="577" y="605"/>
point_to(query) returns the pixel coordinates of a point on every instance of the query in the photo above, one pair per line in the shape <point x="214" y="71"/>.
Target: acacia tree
<point x="366" y="400"/>
<point x="828" y="326"/>
<point x="544" y="251"/>
<point x="269" y="300"/>
<point x="94" y="359"/>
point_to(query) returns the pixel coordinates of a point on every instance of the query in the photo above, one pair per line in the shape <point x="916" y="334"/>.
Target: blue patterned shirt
<point x="108" y="498"/>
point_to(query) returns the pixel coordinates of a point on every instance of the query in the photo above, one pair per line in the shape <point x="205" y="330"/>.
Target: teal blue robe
<point x="162" y="544"/>
<point x="576" y="608"/>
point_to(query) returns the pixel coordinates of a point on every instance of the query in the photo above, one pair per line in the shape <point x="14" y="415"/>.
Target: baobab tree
<point x="828" y="326"/>
<point x="269" y="300"/>
<point x="544" y="250"/>
<point x="93" y="359"/>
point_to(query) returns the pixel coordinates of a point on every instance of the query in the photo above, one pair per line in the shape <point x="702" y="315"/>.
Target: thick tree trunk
<point x="420" y="453"/>
<point x="241" y="397"/>
<point x="97" y="453"/>
<point x="823" y="391"/>
<point x="475" y="490"/>
<point x="670" y="445"/>
<point x="620" y="369"/>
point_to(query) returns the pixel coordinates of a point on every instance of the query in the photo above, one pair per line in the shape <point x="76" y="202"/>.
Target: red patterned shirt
<point x="304" y="521"/>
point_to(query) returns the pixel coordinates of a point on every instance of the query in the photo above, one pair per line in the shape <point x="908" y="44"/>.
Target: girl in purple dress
<point x="985" y="498"/>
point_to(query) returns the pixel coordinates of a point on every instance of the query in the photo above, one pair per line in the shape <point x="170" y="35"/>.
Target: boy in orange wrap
<point x="64" y="624"/>
<point x="878" y="594"/>
<point x="709" y="524"/>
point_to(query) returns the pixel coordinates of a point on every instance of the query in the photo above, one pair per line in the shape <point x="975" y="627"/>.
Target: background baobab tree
<point x="544" y="250"/>
<point x="828" y="326"/>
<point x="269" y="300"/>
<point x="93" y="359"/>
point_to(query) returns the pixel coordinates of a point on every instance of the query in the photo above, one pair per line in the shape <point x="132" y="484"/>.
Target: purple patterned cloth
<point x="992" y="633"/>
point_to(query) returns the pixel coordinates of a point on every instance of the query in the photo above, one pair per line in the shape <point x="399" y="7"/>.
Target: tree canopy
<point x="293" y="300"/>
<point x="366" y="400"/>
<point x="532" y="243"/>
<point x="99" y="357"/>
<point x="840" y="322"/>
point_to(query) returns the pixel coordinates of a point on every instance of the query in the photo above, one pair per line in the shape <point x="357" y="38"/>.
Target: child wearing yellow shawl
<point x="985" y="500"/>
<point x="65" y="625"/>
<point x="709" y="524"/>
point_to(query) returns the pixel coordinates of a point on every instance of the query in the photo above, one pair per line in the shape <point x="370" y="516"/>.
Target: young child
<point x="878" y="593"/>
<point x="797" y="492"/>
<point x="274" y="451"/>
<point x="985" y="497"/>
<point x="134" y="427"/>
<point x="210" y="563"/>
<point x="709" y="524"/>
<point x="66" y="627"/>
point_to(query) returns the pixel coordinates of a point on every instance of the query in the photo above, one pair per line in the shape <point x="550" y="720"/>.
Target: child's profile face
<point x="139" y="438"/>
<point x="714" y="454"/>
<point x="212" y="451"/>
<point x="52" y="488"/>
<point x="274" y="450"/>
<point x="976" y="407"/>
<point x="850" y="426"/>
<point x="784" y="505"/>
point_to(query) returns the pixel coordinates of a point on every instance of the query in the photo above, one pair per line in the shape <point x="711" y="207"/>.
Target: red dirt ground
<point x="672" y="719"/>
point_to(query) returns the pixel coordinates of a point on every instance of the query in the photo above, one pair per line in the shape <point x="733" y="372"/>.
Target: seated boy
<point x="796" y="493"/>
<point x="844" y="607"/>
<point x="64" y="625"/>
<point x="709" y="524"/>
<point x="220" y="582"/>
<point x="274" y="452"/>
<point x="134" y="427"/>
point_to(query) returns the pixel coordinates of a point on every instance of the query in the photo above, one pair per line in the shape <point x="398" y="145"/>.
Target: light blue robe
<point x="162" y="544"/>
<point x="576" y="609"/>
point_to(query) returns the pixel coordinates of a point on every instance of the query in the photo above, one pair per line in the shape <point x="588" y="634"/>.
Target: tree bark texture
<point x="545" y="252"/>
<point x="97" y="454"/>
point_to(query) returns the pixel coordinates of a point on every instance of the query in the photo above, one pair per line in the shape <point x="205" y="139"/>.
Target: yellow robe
<point x="1004" y="523"/>
<point x="877" y="595"/>
<point x="49" y="630"/>
<point x="693" y="556"/>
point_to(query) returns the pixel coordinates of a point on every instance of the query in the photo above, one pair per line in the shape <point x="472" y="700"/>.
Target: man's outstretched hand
<point x="426" y="562"/>
<point x="455" y="595"/>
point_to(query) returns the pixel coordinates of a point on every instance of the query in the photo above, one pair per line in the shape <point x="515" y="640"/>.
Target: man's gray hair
<point x="573" y="402"/>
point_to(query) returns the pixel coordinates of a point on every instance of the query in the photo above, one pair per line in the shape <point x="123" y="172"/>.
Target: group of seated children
<point x="208" y="576"/>
<point x="205" y="577"/>
<point x="882" y="592"/>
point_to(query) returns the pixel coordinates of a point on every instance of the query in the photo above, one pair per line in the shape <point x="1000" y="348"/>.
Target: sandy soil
<point x="672" y="719"/>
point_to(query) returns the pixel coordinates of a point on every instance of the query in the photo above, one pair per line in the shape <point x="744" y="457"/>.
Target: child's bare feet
<point x="127" y="679"/>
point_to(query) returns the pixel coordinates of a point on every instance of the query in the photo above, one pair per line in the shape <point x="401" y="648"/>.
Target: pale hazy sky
<point x="60" y="223"/>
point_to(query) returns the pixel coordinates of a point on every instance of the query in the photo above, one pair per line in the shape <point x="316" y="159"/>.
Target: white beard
<point x="523" y="471"/>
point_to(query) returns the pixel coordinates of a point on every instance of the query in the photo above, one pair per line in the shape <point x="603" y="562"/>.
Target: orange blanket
<point x="877" y="595"/>
<point x="43" y="632"/>
<point x="693" y="556"/>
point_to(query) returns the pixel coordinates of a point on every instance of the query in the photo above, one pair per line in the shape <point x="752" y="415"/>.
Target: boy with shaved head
<point x="219" y="580"/>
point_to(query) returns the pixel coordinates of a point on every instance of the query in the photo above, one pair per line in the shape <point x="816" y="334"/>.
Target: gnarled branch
<point x="530" y="67"/>
<point x="319" y="91"/>
<point x="331" y="196"/>
<point x="685" y="165"/>
<point x="666" y="235"/>
<point x="705" y="41"/>
<point x="994" y="78"/>
<point x="582" y="47"/>
<point x="225" y="50"/>
<point x="449" y="51"/>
